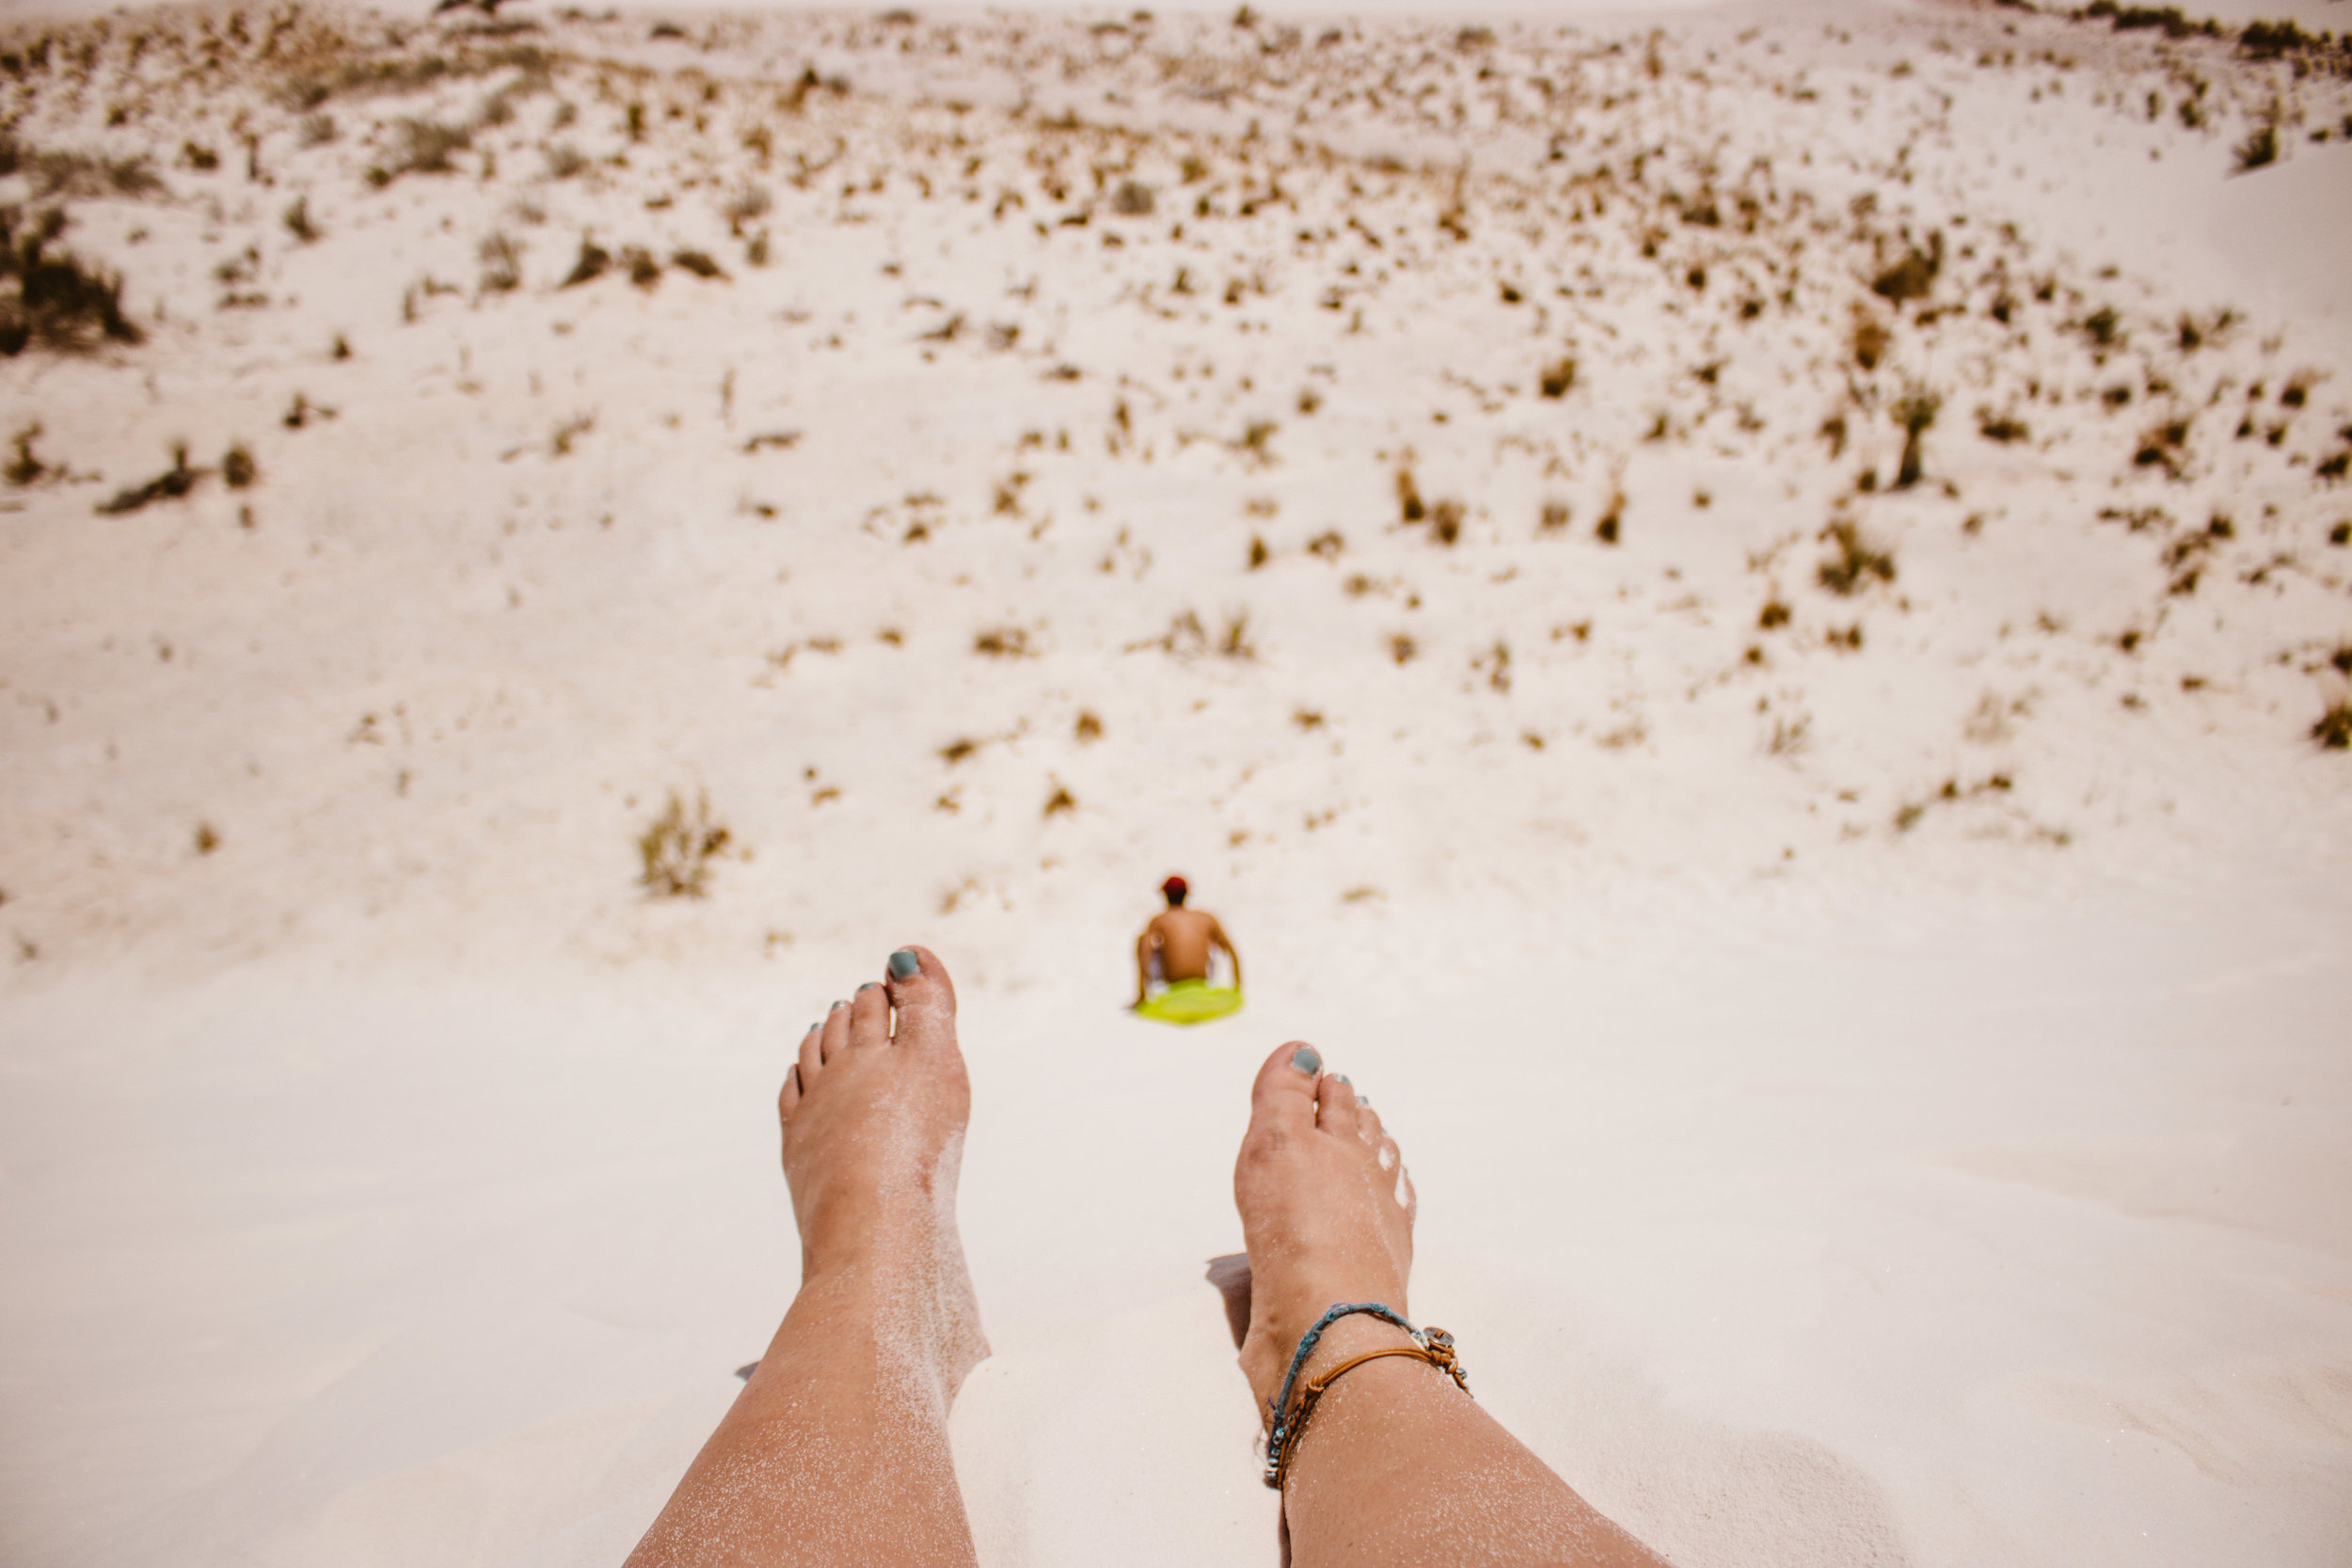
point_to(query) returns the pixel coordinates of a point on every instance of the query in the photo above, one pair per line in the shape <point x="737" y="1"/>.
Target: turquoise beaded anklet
<point x="1436" y="1346"/>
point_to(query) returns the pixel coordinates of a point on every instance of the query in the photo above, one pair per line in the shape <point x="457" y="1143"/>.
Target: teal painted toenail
<point x="838" y="1005"/>
<point x="904" y="965"/>
<point x="1307" y="1059"/>
<point x="1346" y="1079"/>
<point x="871" y="985"/>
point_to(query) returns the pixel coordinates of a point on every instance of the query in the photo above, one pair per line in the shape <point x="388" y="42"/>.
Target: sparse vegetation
<point x="501" y="264"/>
<point x="422" y="147"/>
<point x="676" y="850"/>
<point x="1855" y="563"/>
<point x="2259" y="148"/>
<point x="1916" y="411"/>
<point x="1556" y="379"/>
<point x="171" y="484"/>
<point x="23" y="466"/>
<point x="237" y="469"/>
<point x="50" y="297"/>
<point x="2003" y="428"/>
<point x="62" y="174"/>
<point x="2334" y="728"/>
<point x="1001" y="642"/>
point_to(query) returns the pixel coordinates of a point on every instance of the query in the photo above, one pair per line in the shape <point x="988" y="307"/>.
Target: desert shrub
<point x="1002" y="642"/>
<point x="1774" y="614"/>
<point x="2334" y="728"/>
<point x="2161" y="444"/>
<point x="1914" y="276"/>
<point x="51" y="297"/>
<point x="698" y="263"/>
<point x="238" y="471"/>
<point x="54" y="172"/>
<point x="299" y="222"/>
<point x="23" y="466"/>
<point x="1553" y="518"/>
<point x="1870" y="341"/>
<point x="1132" y="198"/>
<point x="1916" y="411"/>
<point x="1445" y="522"/>
<point x="1613" y="520"/>
<point x="1408" y="502"/>
<point x="1855" y="561"/>
<point x="501" y="264"/>
<point x="173" y="483"/>
<point x="644" y="270"/>
<point x="2260" y="147"/>
<point x="425" y="147"/>
<point x="675" y="849"/>
<point x="1555" y="379"/>
<point x="2268" y="41"/>
<point x="564" y="160"/>
<point x="2003" y="428"/>
<point x="592" y="264"/>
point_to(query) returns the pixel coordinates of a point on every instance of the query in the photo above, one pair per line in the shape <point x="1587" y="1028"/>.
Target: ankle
<point x="1266" y="1361"/>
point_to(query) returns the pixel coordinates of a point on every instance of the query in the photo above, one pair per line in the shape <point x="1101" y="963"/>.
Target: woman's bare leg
<point x="1397" y="1466"/>
<point x="835" y="1452"/>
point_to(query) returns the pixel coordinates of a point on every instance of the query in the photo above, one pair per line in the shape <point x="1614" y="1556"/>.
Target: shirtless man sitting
<point x="1176" y="945"/>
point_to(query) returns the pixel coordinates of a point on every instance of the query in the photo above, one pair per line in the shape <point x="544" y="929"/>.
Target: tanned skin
<point x="1183" y="938"/>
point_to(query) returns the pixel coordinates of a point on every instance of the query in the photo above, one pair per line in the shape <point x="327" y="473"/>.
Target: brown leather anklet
<point x="1435" y="1346"/>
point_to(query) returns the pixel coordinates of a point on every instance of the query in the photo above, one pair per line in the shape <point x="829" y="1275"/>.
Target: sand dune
<point x="1772" y="582"/>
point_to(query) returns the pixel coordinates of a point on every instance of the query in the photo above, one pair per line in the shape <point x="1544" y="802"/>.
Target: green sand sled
<point x="1191" y="1002"/>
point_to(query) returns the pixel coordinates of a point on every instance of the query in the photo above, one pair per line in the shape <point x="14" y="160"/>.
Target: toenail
<point x="904" y="965"/>
<point x="1346" y="1079"/>
<point x="1307" y="1059"/>
<point x="871" y="985"/>
<point x="838" y="1005"/>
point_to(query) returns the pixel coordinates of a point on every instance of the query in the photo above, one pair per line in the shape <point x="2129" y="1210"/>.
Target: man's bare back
<point x="1178" y="944"/>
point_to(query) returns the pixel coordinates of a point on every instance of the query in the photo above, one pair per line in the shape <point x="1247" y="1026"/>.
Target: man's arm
<point x="1219" y="938"/>
<point x="1144" y="945"/>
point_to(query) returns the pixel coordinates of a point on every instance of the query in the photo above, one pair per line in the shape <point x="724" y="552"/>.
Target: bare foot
<point x="1327" y="1213"/>
<point x="873" y="1117"/>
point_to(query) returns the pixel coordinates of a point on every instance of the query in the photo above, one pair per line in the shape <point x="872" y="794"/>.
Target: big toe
<point x="1282" y="1098"/>
<point x="923" y="997"/>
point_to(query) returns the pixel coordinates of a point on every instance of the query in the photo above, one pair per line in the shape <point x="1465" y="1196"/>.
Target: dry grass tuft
<point x="1854" y="563"/>
<point x="171" y="484"/>
<point x="1408" y="502"/>
<point x="678" y="846"/>
<point x="2334" y="729"/>
<point x="51" y="297"/>
<point x="1002" y="642"/>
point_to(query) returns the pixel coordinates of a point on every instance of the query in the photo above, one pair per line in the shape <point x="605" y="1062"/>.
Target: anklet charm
<point x="1435" y="1346"/>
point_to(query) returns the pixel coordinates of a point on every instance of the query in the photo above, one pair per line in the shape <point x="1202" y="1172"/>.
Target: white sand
<point x="1816" y="1165"/>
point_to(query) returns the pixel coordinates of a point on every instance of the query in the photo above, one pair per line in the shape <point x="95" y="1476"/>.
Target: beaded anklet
<point x="1435" y="1346"/>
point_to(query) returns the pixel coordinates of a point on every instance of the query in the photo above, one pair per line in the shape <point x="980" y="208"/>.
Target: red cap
<point x="1174" y="884"/>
